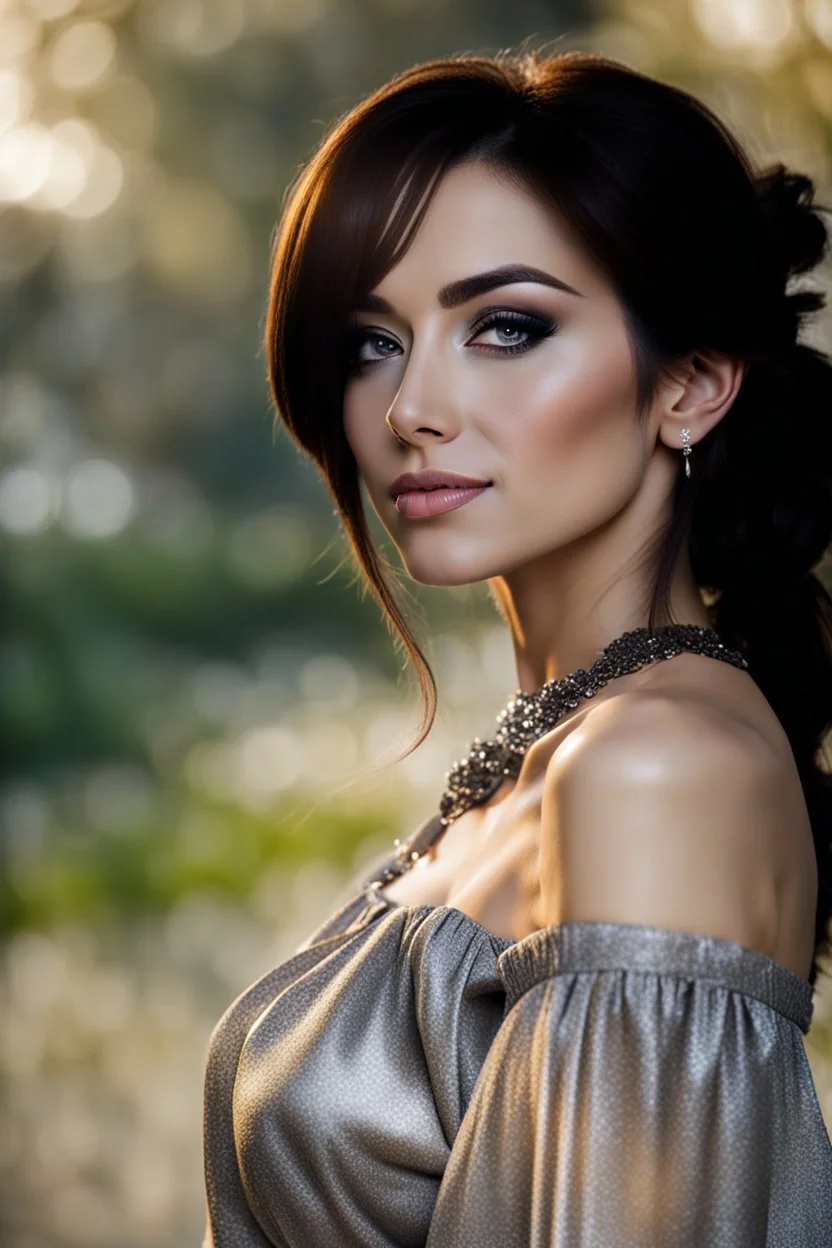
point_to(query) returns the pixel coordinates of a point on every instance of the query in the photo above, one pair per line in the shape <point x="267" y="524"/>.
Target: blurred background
<point x="199" y="706"/>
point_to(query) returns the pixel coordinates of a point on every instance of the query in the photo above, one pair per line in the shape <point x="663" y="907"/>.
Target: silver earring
<point x="685" y="435"/>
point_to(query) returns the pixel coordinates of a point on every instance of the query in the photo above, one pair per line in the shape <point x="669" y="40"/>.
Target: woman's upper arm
<point x="624" y="1109"/>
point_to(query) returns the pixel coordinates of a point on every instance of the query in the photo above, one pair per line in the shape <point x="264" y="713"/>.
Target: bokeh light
<point x="99" y="499"/>
<point x="28" y="500"/>
<point x="82" y="55"/>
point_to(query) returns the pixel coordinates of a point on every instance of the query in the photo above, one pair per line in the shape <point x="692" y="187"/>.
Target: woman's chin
<point x="442" y="571"/>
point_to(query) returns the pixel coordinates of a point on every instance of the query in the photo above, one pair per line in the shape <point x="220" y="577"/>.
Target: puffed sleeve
<point x="647" y="1088"/>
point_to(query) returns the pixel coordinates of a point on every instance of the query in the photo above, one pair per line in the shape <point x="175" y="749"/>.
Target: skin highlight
<point x="542" y="404"/>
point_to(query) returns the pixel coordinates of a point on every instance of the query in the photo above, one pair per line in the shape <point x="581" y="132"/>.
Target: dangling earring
<point x="685" y="435"/>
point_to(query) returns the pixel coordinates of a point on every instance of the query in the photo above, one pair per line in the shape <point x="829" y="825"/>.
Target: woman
<point x="538" y="306"/>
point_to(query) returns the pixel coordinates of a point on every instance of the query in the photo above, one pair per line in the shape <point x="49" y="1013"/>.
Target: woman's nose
<point x="423" y="406"/>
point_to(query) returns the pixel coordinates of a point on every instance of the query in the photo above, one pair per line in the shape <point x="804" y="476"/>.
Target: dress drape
<point x="409" y="1079"/>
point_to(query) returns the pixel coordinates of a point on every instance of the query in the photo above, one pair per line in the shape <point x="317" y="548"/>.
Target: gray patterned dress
<point x="409" y="1079"/>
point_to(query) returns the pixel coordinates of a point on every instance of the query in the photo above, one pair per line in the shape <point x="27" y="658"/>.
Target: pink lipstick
<point x="421" y="504"/>
<point x="419" y="495"/>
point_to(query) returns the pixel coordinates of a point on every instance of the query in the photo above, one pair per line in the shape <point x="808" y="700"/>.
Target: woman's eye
<point x="368" y="346"/>
<point x="513" y="331"/>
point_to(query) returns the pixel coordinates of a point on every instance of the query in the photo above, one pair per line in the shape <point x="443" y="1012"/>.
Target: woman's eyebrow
<point x="458" y="292"/>
<point x="466" y="288"/>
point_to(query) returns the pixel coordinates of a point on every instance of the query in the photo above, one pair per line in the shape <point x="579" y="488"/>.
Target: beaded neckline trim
<point x="527" y="716"/>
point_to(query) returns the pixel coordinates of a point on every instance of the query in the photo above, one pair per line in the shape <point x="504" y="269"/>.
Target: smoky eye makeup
<point x="523" y="331"/>
<point x="356" y="335"/>
<point x="512" y="321"/>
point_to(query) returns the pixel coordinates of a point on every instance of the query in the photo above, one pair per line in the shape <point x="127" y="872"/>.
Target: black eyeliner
<point x="534" y="324"/>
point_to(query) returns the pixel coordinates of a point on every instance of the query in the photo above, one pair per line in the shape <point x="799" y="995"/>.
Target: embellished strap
<point x="472" y="780"/>
<point x="408" y="851"/>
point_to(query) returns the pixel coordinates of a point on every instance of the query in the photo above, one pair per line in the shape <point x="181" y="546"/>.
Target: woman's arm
<point x="635" y="1096"/>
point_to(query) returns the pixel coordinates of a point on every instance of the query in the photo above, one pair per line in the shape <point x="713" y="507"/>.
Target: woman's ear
<point x="703" y="388"/>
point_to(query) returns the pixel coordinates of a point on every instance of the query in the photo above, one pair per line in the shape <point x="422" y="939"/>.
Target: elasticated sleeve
<point x="647" y="1088"/>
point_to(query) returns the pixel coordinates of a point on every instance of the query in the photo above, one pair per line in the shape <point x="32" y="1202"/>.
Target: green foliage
<point x="192" y="847"/>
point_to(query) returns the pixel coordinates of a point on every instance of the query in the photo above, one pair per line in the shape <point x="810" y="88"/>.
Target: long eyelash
<point x="536" y="327"/>
<point x="354" y="337"/>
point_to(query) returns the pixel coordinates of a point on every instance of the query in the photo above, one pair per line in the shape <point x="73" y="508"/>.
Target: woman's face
<point x="527" y="385"/>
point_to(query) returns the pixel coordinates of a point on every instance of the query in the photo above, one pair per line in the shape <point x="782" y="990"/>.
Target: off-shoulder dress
<point x="409" y="1079"/>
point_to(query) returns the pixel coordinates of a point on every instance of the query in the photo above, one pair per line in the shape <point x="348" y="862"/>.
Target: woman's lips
<point x="421" y="504"/>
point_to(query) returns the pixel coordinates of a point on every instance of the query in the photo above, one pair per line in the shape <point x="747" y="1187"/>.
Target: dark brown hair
<point x="699" y="247"/>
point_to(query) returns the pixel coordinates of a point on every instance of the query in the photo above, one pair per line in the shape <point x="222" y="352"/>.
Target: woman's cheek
<point x="590" y="393"/>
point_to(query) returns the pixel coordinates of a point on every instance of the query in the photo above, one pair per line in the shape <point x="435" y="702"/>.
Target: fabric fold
<point x="590" y="946"/>
<point x="666" y="1101"/>
<point x="351" y="1084"/>
<point x="409" y="1079"/>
